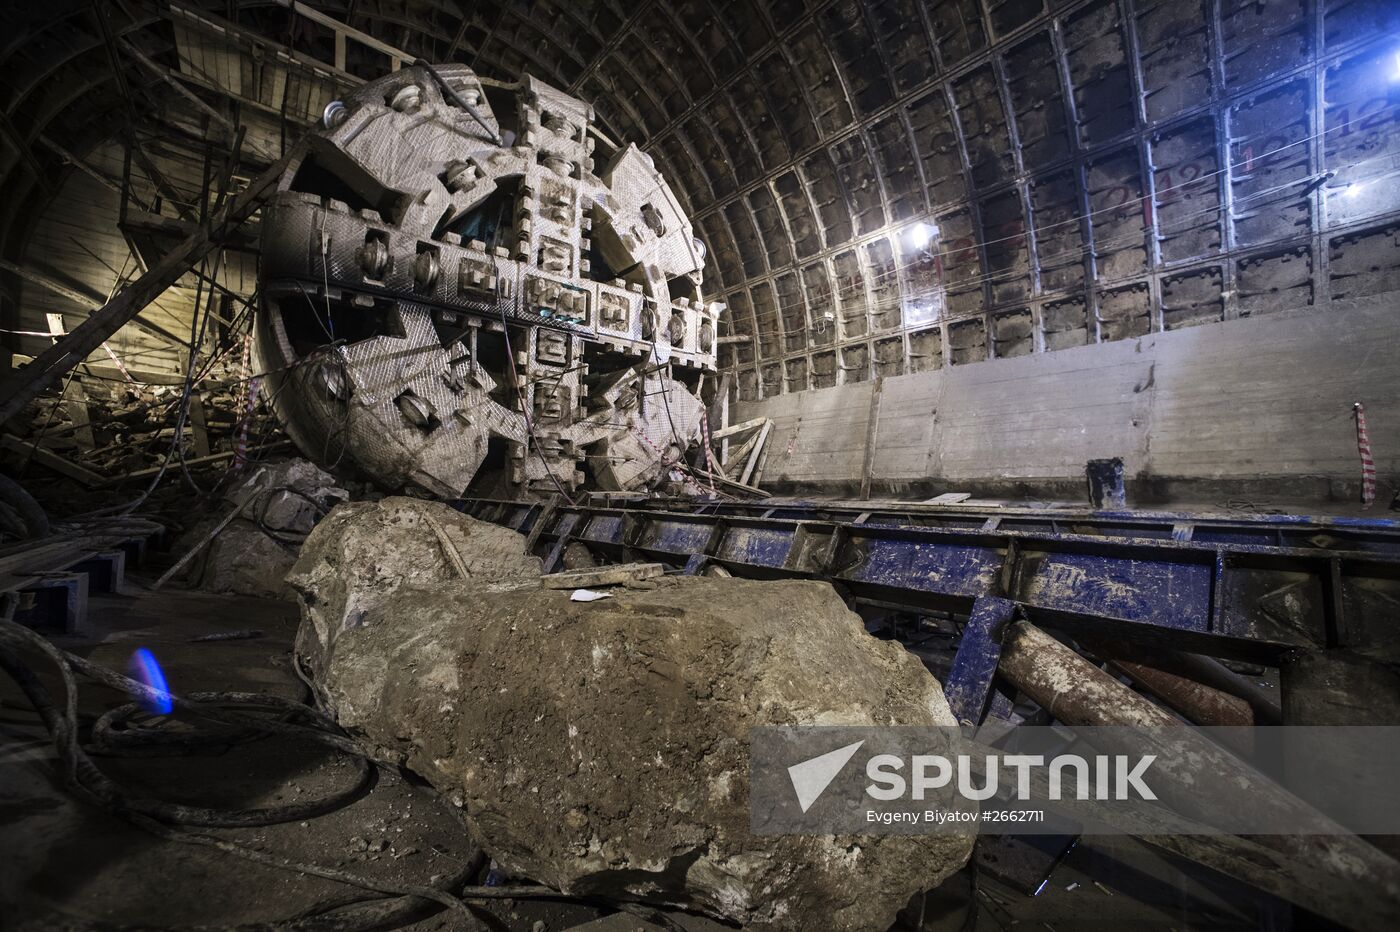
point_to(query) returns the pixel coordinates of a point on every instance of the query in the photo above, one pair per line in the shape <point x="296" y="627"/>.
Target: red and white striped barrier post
<point x="245" y="421"/>
<point x="1368" y="462"/>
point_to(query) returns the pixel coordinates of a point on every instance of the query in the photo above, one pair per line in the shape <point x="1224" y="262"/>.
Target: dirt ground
<point x="63" y="860"/>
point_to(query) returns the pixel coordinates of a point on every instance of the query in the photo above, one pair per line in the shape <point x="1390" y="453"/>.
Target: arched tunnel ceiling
<point x="1094" y="170"/>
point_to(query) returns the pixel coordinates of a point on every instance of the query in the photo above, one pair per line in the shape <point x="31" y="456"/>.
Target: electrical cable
<point x="525" y="410"/>
<point x="456" y="99"/>
<point x="381" y="904"/>
<point x="86" y="780"/>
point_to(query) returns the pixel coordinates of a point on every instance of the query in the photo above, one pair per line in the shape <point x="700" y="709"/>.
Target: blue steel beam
<point x="1306" y="532"/>
<point x="968" y="687"/>
<point x="1242" y="600"/>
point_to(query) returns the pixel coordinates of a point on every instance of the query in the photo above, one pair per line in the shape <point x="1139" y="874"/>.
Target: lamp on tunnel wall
<point x="922" y="234"/>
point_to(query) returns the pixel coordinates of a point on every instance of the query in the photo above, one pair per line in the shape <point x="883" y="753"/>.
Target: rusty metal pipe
<point x="1199" y="703"/>
<point x="1215" y="674"/>
<point x="1204" y="671"/>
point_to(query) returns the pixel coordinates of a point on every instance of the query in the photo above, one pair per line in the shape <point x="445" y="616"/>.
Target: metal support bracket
<point x="969" y="684"/>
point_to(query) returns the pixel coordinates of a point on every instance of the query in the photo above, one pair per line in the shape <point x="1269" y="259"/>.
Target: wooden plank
<point x="757" y="451"/>
<point x="342" y="30"/>
<point x="165" y="75"/>
<point x="616" y="575"/>
<point x="20" y="387"/>
<point x="144" y="376"/>
<point x="87" y="300"/>
<point x="752" y="424"/>
<point x="74" y="398"/>
<point x="51" y="460"/>
<point x="81" y="165"/>
<point x="198" y="425"/>
<point x="197" y="461"/>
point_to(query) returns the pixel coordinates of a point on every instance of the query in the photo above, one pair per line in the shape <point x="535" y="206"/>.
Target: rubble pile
<point x="112" y="431"/>
<point x="278" y="505"/>
<point x="602" y="747"/>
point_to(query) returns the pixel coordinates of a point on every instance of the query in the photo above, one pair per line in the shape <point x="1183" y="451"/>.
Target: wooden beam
<point x="198" y="426"/>
<point x="81" y="165"/>
<point x="751" y="424"/>
<point x="397" y="56"/>
<point x="74" y="398"/>
<point x="84" y="298"/>
<point x="120" y="373"/>
<point x="13" y="136"/>
<point x="20" y="387"/>
<point x="749" y="470"/>
<point x="50" y="460"/>
<point x="211" y="25"/>
<point x="199" y="461"/>
<point x="164" y="74"/>
<point x="722" y="396"/>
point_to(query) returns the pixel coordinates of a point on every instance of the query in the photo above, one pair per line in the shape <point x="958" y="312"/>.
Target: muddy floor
<point x="63" y="860"/>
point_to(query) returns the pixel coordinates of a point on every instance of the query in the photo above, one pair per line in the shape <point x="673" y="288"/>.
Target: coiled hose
<point x="87" y="781"/>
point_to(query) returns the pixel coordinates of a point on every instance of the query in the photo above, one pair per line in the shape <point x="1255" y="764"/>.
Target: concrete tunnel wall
<point x="1254" y="405"/>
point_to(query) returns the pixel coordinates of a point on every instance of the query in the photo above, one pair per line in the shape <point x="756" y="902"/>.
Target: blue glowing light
<point x="146" y="669"/>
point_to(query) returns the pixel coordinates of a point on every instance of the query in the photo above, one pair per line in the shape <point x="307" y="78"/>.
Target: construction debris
<point x="250" y="550"/>
<point x="124" y="431"/>
<point x="616" y="575"/>
<point x="624" y="775"/>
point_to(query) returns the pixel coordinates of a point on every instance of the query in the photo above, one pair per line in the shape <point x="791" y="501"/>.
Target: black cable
<point x="456" y="100"/>
<point x="362" y="911"/>
<point x="525" y="410"/>
<point x="84" y="778"/>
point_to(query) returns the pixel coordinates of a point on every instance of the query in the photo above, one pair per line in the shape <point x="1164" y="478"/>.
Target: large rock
<point x="602" y="747"/>
<point x="364" y="553"/>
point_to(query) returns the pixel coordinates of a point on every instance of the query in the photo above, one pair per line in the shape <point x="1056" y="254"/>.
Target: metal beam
<point x="397" y="56"/>
<point x="82" y="166"/>
<point x="164" y="74"/>
<point x="1320" y="533"/>
<point x="1222" y="598"/>
<point x="21" y="386"/>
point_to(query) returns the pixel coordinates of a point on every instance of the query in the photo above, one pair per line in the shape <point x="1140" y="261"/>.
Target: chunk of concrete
<point x="293" y="495"/>
<point x="602" y="748"/>
<point x="363" y="553"/>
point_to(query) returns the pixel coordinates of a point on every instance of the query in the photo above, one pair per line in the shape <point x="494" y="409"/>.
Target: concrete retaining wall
<point x="1251" y="407"/>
